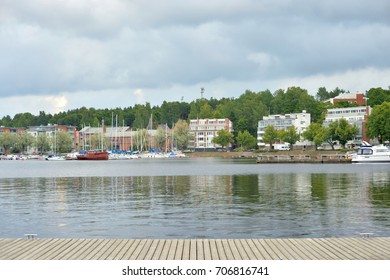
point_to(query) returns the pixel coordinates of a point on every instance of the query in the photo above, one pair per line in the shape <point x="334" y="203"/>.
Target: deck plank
<point x="207" y="249"/>
<point x="179" y="250"/>
<point x="373" y="248"/>
<point x="129" y="252"/>
<point x="172" y="250"/>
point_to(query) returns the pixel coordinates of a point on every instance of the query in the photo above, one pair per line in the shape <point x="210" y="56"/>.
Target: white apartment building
<point x="353" y="115"/>
<point x="300" y="121"/>
<point x="204" y="131"/>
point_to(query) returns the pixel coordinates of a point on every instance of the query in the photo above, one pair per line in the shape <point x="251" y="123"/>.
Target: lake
<point x="192" y="198"/>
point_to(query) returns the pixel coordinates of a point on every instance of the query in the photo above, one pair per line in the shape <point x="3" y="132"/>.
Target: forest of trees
<point x="244" y="111"/>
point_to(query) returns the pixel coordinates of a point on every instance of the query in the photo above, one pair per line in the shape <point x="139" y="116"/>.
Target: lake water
<point x="192" y="198"/>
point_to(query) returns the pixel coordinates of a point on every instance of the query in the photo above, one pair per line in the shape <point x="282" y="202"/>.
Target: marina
<point x="196" y="249"/>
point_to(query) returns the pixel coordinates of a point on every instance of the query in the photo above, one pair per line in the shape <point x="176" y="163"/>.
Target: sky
<point x="58" y="55"/>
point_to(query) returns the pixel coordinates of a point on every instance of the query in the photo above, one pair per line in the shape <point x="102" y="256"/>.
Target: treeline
<point x="244" y="111"/>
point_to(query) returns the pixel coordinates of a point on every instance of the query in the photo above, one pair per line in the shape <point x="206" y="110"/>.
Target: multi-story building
<point x="50" y="131"/>
<point x="205" y="130"/>
<point x="353" y="115"/>
<point x="300" y="121"/>
<point x="123" y="138"/>
<point x="353" y="98"/>
<point x="11" y="130"/>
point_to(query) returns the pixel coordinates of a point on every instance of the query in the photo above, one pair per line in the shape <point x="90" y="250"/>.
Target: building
<point x="353" y="115"/>
<point x="50" y="131"/>
<point x="205" y="130"/>
<point x="124" y="138"/>
<point x="12" y="131"/>
<point x="300" y="121"/>
<point x="353" y="98"/>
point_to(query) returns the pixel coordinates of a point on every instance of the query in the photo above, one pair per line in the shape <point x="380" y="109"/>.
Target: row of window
<point x="352" y="111"/>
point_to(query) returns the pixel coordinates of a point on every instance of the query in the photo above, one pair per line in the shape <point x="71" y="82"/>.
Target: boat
<point x="71" y="156"/>
<point x="54" y="157"/>
<point x="370" y="153"/>
<point x="93" y="155"/>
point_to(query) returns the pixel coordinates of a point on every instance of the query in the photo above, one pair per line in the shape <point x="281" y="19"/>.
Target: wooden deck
<point x="374" y="248"/>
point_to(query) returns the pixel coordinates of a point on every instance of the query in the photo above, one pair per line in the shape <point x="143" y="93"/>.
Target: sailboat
<point x="94" y="154"/>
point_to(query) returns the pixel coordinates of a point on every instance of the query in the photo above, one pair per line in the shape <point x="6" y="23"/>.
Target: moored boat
<point x="93" y="155"/>
<point x="54" y="157"/>
<point x="369" y="153"/>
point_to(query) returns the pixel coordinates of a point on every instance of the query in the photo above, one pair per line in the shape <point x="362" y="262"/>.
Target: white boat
<point x="54" y="157"/>
<point x="369" y="153"/>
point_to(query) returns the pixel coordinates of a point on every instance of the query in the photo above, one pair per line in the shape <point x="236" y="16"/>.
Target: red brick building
<point x="357" y="98"/>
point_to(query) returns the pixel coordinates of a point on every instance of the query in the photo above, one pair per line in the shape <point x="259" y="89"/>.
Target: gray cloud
<point x="50" y="47"/>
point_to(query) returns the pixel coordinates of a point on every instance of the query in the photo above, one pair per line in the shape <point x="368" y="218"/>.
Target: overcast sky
<point x="57" y="55"/>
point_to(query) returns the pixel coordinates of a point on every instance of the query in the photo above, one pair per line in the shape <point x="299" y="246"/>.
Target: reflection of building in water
<point x="212" y="184"/>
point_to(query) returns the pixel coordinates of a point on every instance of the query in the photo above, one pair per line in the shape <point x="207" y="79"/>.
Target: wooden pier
<point x="303" y="158"/>
<point x="368" y="248"/>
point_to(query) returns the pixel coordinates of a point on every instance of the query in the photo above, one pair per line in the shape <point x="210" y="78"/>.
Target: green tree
<point x="249" y="107"/>
<point x="346" y="132"/>
<point x="290" y="136"/>
<point x="341" y="131"/>
<point x="182" y="134"/>
<point x="7" y="141"/>
<point x="206" y="111"/>
<point x="315" y="133"/>
<point x="377" y="96"/>
<point x="63" y="142"/>
<point x="24" y="140"/>
<point x="160" y="137"/>
<point x="271" y="136"/>
<point x="322" y="94"/>
<point x="378" y="125"/>
<point x="246" y="140"/>
<point x="223" y="138"/>
<point x="332" y="134"/>
<point x="42" y="143"/>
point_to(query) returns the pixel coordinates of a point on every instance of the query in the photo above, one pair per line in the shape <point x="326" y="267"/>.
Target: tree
<point x="290" y="136"/>
<point x="206" y="111"/>
<point x="377" y="96"/>
<point x="24" y="140"/>
<point x="250" y="107"/>
<point x="378" y="125"/>
<point x="223" y="138"/>
<point x="322" y="94"/>
<point x="246" y="140"/>
<point x="271" y="136"/>
<point x="315" y="133"/>
<point x="7" y="140"/>
<point x="182" y="134"/>
<point x="346" y="132"/>
<point x="160" y="137"/>
<point x="63" y="142"/>
<point x="341" y="131"/>
<point x="42" y="143"/>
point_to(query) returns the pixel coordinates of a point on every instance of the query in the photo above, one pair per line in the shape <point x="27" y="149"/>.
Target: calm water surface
<point x="192" y="198"/>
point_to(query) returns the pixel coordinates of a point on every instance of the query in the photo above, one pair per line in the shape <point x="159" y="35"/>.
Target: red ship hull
<point x="93" y="155"/>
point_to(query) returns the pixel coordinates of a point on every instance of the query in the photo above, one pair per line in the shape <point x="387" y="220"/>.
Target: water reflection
<point x="225" y="206"/>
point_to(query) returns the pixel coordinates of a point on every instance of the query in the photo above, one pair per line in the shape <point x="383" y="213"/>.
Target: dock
<point x="361" y="248"/>
<point x="303" y="158"/>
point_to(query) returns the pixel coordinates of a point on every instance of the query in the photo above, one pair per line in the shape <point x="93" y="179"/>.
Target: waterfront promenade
<point x="368" y="248"/>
